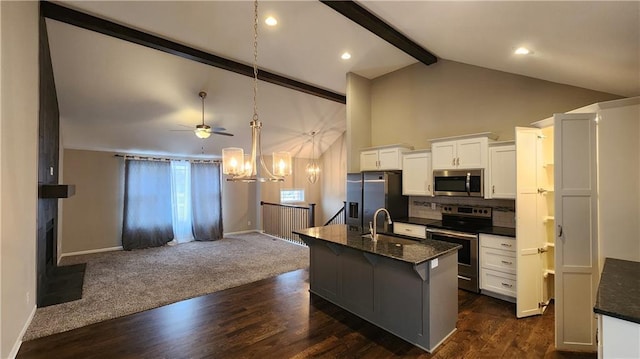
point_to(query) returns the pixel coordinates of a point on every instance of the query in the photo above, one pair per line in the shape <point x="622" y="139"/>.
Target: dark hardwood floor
<point x="279" y="318"/>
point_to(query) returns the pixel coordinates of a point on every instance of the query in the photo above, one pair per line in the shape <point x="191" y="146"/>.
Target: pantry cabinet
<point x="463" y="153"/>
<point x="417" y="176"/>
<point x="382" y="158"/>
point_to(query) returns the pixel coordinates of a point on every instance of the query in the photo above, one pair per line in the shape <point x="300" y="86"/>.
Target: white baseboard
<point x="241" y="232"/>
<point x="18" y="343"/>
<point x="119" y="248"/>
<point x="71" y="254"/>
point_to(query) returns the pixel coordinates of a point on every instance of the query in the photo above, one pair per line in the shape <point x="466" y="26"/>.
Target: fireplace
<point x="56" y="284"/>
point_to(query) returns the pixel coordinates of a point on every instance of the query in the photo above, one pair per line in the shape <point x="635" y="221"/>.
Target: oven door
<point x="467" y="255"/>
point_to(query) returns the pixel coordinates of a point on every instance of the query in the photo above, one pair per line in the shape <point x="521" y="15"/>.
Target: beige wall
<point x="619" y="183"/>
<point x="333" y="179"/>
<point x="238" y="206"/>
<point x="18" y="170"/>
<point x="92" y="218"/>
<point x="421" y="102"/>
<point x="358" y="119"/>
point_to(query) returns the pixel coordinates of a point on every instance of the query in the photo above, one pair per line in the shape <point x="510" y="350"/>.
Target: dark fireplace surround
<point x="55" y="284"/>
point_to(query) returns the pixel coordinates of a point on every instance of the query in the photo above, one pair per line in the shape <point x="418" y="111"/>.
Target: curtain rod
<point x="151" y="158"/>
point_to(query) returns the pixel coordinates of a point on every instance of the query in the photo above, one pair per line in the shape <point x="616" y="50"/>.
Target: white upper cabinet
<point x="463" y="153"/>
<point x="417" y="176"/>
<point x="502" y="171"/>
<point x="382" y="158"/>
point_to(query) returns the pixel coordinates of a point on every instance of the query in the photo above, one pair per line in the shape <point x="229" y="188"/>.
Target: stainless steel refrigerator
<point x="368" y="191"/>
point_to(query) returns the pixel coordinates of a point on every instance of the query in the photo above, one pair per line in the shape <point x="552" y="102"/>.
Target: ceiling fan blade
<point x="222" y="133"/>
<point x="181" y="130"/>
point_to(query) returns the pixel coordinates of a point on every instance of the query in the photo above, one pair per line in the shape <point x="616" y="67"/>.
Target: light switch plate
<point x="434" y="263"/>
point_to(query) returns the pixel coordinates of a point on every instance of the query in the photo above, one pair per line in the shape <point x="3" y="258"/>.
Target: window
<point x="181" y="200"/>
<point x="291" y="195"/>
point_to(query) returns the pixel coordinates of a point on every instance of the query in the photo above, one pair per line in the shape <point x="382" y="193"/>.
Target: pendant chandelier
<point x="253" y="169"/>
<point x="313" y="169"/>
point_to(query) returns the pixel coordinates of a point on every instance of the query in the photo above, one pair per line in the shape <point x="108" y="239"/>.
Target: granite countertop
<point x="619" y="290"/>
<point x="406" y="250"/>
<point x="498" y="231"/>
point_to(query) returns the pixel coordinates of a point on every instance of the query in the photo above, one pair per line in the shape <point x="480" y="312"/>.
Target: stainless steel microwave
<point x="465" y="183"/>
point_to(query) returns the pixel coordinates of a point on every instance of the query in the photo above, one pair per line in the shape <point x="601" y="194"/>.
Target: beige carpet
<point x="124" y="282"/>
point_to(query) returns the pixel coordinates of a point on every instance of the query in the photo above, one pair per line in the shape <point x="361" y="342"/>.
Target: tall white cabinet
<point x="577" y="189"/>
<point x="534" y="220"/>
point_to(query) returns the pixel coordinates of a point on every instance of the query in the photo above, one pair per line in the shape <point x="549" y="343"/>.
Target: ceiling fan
<point x="203" y="130"/>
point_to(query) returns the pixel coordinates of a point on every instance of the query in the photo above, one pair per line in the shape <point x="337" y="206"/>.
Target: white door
<point x="576" y="241"/>
<point x="472" y="153"/>
<point x="369" y="160"/>
<point x="528" y="237"/>
<point x="390" y="159"/>
<point x="417" y="176"/>
<point x="502" y="160"/>
<point x="443" y="155"/>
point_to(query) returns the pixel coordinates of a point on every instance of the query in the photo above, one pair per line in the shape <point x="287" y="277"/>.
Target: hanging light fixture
<point x="254" y="169"/>
<point x="202" y="130"/>
<point x="313" y="169"/>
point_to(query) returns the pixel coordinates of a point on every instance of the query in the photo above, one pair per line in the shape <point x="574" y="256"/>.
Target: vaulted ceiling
<point x="118" y="96"/>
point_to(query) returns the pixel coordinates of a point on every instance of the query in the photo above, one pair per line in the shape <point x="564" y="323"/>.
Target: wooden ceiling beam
<point x="90" y="22"/>
<point x="371" y="22"/>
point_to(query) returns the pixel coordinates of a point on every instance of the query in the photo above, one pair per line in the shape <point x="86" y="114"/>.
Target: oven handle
<point x="452" y="234"/>
<point x="468" y="184"/>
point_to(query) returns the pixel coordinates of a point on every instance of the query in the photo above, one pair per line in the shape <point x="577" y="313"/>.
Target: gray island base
<point x="406" y="287"/>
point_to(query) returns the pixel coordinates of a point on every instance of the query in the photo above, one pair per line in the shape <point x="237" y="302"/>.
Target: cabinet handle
<point x="453" y="161"/>
<point x="505" y="245"/>
<point x="458" y="161"/>
<point x="493" y="189"/>
<point x="507" y="285"/>
<point x="429" y="188"/>
<point x="559" y="231"/>
<point x="507" y="262"/>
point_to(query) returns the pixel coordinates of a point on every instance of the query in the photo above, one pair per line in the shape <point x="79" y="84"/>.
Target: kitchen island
<point x="406" y="287"/>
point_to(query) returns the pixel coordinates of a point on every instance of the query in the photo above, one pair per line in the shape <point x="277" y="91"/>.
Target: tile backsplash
<point x="504" y="210"/>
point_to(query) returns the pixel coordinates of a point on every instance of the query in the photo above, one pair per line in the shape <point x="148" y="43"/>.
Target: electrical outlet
<point x="248" y="223"/>
<point x="28" y="296"/>
<point x="433" y="206"/>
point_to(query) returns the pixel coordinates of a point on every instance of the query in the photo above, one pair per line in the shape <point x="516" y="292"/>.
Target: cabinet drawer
<point x="498" y="259"/>
<point x="498" y="242"/>
<point x="498" y="282"/>
<point x="412" y="230"/>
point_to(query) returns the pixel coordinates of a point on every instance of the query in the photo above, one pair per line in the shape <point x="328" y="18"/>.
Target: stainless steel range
<point x="460" y="225"/>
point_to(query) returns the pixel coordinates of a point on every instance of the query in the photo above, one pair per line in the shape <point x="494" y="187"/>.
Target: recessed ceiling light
<point x="271" y="21"/>
<point x="522" y="51"/>
<point x="346" y="56"/>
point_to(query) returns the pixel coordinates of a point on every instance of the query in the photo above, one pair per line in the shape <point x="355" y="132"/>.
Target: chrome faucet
<point x="373" y="228"/>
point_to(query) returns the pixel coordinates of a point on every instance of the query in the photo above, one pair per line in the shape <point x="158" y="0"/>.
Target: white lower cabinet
<point x="498" y="266"/>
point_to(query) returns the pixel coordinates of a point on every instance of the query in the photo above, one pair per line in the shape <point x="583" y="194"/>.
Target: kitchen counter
<point x="619" y="290"/>
<point x="618" y="309"/>
<point x="498" y="231"/>
<point x="406" y="287"/>
<point x="406" y="250"/>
